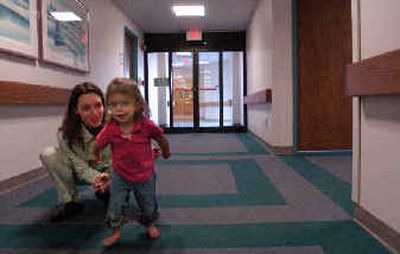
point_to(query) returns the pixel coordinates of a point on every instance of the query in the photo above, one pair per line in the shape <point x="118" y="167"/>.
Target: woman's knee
<point x="47" y="154"/>
<point x="51" y="158"/>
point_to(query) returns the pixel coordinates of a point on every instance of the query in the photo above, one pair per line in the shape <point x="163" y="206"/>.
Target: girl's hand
<point x="102" y="182"/>
<point x="156" y="152"/>
<point x="166" y="154"/>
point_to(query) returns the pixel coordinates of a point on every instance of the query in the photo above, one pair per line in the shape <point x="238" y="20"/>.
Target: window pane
<point x="233" y="88"/>
<point x="182" y="85"/>
<point x="159" y="95"/>
<point x="209" y="89"/>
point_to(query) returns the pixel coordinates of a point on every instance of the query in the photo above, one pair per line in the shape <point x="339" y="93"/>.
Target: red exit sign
<point x="194" y="35"/>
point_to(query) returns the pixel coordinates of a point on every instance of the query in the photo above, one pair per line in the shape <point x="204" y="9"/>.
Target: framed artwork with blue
<point x="65" y="34"/>
<point x="18" y="28"/>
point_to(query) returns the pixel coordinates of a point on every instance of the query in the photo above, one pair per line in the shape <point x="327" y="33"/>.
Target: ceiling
<point x="155" y="16"/>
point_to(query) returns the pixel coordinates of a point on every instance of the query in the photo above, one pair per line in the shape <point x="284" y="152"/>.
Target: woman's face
<point x="90" y="109"/>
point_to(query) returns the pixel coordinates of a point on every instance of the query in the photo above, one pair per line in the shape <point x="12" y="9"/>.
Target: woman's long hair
<point x="71" y="127"/>
<point x="130" y="88"/>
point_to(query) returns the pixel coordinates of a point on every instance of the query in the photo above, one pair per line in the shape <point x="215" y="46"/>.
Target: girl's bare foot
<point x="153" y="231"/>
<point x="110" y="240"/>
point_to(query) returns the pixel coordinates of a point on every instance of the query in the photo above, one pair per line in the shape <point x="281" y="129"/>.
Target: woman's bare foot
<point x="152" y="231"/>
<point x="110" y="240"/>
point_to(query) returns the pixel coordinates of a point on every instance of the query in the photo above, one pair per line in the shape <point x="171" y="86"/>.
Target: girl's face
<point x="122" y="108"/>
<point x="90" y="109"/>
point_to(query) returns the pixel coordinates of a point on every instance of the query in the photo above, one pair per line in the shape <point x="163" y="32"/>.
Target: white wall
<point x="25" y="130"/>
<point x="269" y="65"/>
<point x="376" y="164"/>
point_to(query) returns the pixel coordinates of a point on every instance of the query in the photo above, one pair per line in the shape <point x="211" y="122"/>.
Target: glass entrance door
<point x="182" y="89"/>
<point x="209" y="89"/>
<point x="196" y="91"/>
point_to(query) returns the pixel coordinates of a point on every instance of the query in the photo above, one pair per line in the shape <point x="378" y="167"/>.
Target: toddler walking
<point x="129" y="132"/>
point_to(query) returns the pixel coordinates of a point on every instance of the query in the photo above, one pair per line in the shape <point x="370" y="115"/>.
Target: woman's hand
<point x="102" y="182"/>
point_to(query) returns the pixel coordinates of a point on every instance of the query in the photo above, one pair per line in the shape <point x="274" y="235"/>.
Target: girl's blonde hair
<point x="130" y="88"/>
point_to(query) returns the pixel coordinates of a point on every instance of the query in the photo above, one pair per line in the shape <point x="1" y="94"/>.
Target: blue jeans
<point x="145" y="194"/>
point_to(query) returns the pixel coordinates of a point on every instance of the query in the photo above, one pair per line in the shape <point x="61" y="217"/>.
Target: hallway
<point x="218" y="193"/>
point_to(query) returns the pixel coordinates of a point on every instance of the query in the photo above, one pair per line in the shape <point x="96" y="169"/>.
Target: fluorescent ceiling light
<point x="188" y="10"/>
<point x="65" y="16"/>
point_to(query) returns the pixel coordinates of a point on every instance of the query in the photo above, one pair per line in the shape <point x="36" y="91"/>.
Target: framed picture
<point x="65" y="34"/>
<point x="18" y="27"/>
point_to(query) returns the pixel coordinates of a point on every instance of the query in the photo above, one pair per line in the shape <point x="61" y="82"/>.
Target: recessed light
<point x="65" y="16"/>
<point x="188" y="10"/>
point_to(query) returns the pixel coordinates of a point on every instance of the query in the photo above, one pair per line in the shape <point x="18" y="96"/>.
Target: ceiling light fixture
<point x="65" y="16"/>
<point x="188" y="10"/>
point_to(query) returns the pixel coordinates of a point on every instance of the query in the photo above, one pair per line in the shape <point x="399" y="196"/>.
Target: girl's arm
<point x="102" y="140"/>
<point x="164" y="145"/>
<point x="157" y="134"/>
<point x="101" y="183"/>
<point x="96" y="154"/>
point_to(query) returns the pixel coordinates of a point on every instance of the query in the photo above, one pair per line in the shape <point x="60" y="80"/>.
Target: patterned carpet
<point x="219" y="193"/>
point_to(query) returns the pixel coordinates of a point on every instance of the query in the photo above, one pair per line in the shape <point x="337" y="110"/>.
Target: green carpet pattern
<point x="334" y="237"/>
<point x="259" y="192"/>
<point x="272" y="220"/>
<point x="336" y="189"/>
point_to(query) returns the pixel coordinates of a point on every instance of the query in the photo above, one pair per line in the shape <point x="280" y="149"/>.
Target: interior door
<point x="324" y="48"/>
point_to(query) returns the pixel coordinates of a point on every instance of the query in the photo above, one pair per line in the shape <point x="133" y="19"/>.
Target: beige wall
<point x="25" y="130"/>
<point x="269" y="65"/>
<point x="259" y="60"/>
<point x="376" y="128"/>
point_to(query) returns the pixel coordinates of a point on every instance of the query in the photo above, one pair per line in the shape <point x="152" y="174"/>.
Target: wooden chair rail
<point x="261" y="97"/>
<point x="379" y="75"/>
<point x="12" y="93"/>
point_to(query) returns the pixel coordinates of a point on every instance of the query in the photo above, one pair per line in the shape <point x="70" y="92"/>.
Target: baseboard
<point x="378" y="227"/>
<point x="281" y="150"/>
<point x="278" y="150"/>
<point x="21" y="179"/>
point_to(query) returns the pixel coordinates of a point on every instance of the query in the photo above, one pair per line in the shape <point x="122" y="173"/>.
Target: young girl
<point x="129" y="132"/>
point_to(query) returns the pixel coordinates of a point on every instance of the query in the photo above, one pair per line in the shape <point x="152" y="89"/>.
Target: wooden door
<point x="324" y="48"/>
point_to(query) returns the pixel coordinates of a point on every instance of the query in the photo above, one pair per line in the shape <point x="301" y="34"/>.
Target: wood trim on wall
<point x="260" y="97"/>
<point x="18" y="93"/>
<point x="15" y="181"/>
<point x="379" y="75"/>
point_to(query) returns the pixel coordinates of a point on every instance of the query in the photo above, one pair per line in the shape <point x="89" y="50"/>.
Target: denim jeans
<point x="145" y="194"/>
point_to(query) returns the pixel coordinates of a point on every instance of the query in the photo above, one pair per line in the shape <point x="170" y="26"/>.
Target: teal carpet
<point x="334" y="237"/>
<point x="277" y="205"/>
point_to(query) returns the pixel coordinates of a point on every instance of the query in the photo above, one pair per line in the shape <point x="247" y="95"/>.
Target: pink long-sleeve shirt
<point x="132" y="154"/>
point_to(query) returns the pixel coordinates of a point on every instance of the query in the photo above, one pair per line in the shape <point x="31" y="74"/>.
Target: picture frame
<point x="64" y="42"/>
<point x="18" y="28"/>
